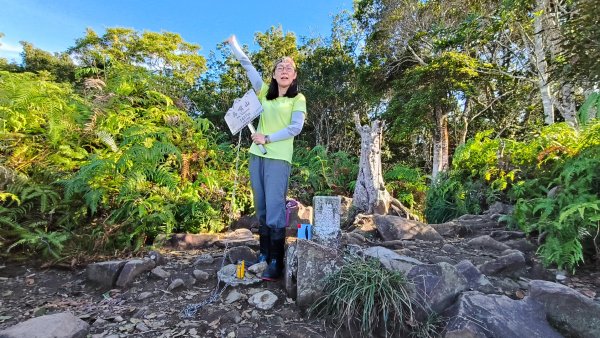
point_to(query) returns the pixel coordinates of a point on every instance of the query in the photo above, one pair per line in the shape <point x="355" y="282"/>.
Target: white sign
<point x="242" y="113"/>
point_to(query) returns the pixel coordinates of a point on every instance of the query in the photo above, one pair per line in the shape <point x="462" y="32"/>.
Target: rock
<point x="448" y="229"/>
<point x="394" y="228"/>
<point x="487" y="242"/>
<point x="160" y="273"/>
<point x="258" y="268"/>
<point x="572" y="313"/>
<point x="200" y="275"/>
<point x="290" y="270"/>
<point x="144" y="295"/>
<point x="104" y="273"/>
<point x="475" y="279"/>
<point x="504" y="235"/>
<point x="204" y="259"/>
<point x="445" y="259"/>
<point x="241" y="253"/>
<point x="478" y="315"/>
<point x="234" y="296"/>
<point x="364" y="225"/>
<point x="499" y="208"/>
<point x="504" y="265"/>
<point x="132" y="269"/>
<point x="394" y="245"/>
<point x="353" y="238"/>
<point x="263" y="300"/>
<point x="191" y="241"/>
<point x="449" y="248"/>
<point x="391" y="260"/>
<point x="59" y="325"/>
<point x="176" y="283"/>
<point x="237" y="238"/>
<point x="437" y="286"/>
<point x="156" y="257"/>
<point x="315" y="263"/>
<point x="522" y="245"/>
<point x="345" y="207"/>
<point x="227" y="276"/>
<point x="233" y="316"/>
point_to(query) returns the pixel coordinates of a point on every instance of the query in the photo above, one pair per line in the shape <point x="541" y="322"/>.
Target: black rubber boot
<point x="264" y="234"/>
<point x="275" y="269"/>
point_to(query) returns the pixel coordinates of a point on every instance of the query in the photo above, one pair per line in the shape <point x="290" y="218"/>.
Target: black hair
<point x="273" y="92"/>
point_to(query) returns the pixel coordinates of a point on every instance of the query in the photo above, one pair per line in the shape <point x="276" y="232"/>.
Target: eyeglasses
<point x="288" y="69"/>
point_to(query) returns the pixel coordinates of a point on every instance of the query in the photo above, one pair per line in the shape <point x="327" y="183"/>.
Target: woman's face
<point x="285" y="73"/>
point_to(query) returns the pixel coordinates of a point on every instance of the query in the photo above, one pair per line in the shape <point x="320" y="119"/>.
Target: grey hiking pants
<point x="269" y="179"/>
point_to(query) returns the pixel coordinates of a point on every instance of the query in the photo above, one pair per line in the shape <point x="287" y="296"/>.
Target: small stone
<point x="201" y="275"/>
<point x="99" y="322"/>
<point x="144" y="295"/>
<point x="263" y="300"/>
<point x="233" y="297"/>
<point x="118" y="319"/>
<point x="258" y="268"/>
<point x="175" y="284"/>
<point x="141" y="327"/>
<point x="160" y="273"/>
<point x="156" y="257"/>
<point x="449" y="248"/>
<point x="205" y="259"/>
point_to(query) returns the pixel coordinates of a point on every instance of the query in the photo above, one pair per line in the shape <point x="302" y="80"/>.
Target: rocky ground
<point x="152" y="303"/>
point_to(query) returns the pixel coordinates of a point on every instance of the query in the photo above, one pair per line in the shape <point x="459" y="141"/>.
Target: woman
<point x="284" y="110"/>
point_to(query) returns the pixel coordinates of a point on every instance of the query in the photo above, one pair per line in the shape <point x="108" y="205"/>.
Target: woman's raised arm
<point x="239" y="54"/>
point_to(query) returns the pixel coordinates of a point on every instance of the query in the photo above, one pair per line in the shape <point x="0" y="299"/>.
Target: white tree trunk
<point x="540" y="60"/>
<point x="370" y="194"/>
<point x="440" y="143"/>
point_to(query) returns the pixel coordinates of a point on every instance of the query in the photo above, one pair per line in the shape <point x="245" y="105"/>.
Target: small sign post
<point x="242" y="113"/>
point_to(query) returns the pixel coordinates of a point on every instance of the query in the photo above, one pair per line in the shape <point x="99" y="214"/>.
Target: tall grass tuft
<point x="364" y="294"/>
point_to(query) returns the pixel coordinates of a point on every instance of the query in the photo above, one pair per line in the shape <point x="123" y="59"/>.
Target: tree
<point x="165" y="54"/>
<point x="330" y="77"/>
<point x="58" y="64"/>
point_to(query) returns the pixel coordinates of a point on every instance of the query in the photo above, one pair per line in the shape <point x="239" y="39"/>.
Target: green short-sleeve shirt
<point x="276" y="115"/>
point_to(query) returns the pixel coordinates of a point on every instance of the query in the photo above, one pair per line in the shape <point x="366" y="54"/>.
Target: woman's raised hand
<point x="230" y="40"/>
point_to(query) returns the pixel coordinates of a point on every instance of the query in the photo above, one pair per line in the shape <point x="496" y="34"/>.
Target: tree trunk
<point x="540" y="60"/>
<point x="440" y="142"/>
<point x="370" y="195"/>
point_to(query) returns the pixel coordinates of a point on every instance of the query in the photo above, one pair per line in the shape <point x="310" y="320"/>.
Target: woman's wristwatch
<point x="267" y="139"/>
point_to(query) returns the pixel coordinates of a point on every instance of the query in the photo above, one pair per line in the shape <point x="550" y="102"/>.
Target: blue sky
<point x="53" y="25"/>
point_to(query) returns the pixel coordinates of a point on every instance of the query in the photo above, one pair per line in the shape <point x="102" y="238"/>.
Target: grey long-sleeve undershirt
<point x="297" y="122"/>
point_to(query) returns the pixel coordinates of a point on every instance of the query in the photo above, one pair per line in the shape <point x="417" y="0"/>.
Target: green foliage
<point x="554" y="178"/>
<point x="448" y="198"/>
<point x="408" y="185"/>
<point x="570" y="216"/>
<point x="365" y="295"/>
<point x="317" y="172"/>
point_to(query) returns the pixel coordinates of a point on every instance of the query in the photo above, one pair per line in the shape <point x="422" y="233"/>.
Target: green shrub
<point x="408" y="185"/>
<point x="317" y="172"/>
<point x="364" y="294"/>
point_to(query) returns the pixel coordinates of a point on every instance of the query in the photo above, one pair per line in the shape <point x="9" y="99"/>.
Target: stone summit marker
<point x="326" y="229"/>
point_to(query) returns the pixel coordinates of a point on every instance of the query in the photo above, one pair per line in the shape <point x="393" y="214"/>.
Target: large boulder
<point x="572" y="313"/>
<point x="392" y="260"/>
<point x="238" y="237"/>
<point x="315" y="263"/>
<point x="104" y="273"/>
<point x="58" y="325"/>
<point x="436" y="286"/>
<point x="476" y="315"/>
<point x="508" y="264"/>
<point x="394" y="227"/>
<point x="132" y="269"/>
<point x="475" y="279"/>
